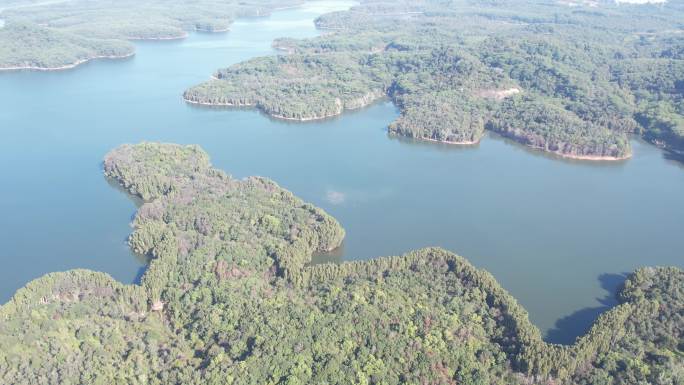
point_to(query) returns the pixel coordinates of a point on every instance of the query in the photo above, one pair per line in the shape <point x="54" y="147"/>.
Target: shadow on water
<point x="568" y="328"/>
<point x="675" y="157"/>
<point x="490" y="135"/>
<point x="553" y="156"/>
<point x="332" y="256"/>
<point x="143" y="260"/>
<point x="142" y="269"/>
<point x="118" y="187"/>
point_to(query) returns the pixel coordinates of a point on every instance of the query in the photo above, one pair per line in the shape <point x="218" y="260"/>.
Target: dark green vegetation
<point x="572" y="79"/>
<point x="63" y="34"/>
<point x="53" y="49"/>
<point x="229" y="298"/>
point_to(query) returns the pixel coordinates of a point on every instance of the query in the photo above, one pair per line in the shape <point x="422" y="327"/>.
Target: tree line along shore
<point x="585" y="77"/>
<point x="446" y="65"/>
<point x="229" y="297"/>
<point x="58" y="35"/>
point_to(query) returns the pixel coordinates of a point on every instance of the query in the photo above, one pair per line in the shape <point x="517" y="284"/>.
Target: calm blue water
<point x="557" y="234"/>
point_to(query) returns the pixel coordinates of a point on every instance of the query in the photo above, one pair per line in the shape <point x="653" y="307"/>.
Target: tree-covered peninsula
<point x="30" y="46"/>
<point x="53" y="35"/>
<point x="573" y="78"/>
<point x="229" y="297"/>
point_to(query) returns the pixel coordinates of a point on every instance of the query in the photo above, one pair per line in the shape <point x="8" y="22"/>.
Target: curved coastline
<point x="392" y="261"/>
<point x="595" y="158"/>
<point x="256" y="106"/>
<point x="461" y="143"/>
<point x="93" y="58"/>
<point x="182" y="36"/>
<point x="220" y="30"/>
<point x="276" y="116"/>
<point x="518" y="339"/>
<point x="590" y="158"/>
<point x="68" y="66"/>
<point x="77" y="63"/>
<point x="189" y="101"/>
<point x="307" y="119"/>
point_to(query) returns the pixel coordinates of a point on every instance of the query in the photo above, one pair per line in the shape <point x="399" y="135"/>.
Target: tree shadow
<point x="333" y="256"/>
<point x="292" y="122"/>
<point x="118" y="187"/>
<point x="493" y="135"/>
<point x="675" y="157"/>
<point x="439" y="146"/>
<point x="567" y="329"/>
<point x="138" y="276"/>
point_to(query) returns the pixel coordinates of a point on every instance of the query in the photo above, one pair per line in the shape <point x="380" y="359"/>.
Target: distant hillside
<point x="49" y="35"/>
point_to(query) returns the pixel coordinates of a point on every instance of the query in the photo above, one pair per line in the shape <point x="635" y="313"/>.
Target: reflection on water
<point x="559" y="158"/>
<point x="116" y="186"/>
<point x="333" y="256"/>
<point x="436" y="146"/>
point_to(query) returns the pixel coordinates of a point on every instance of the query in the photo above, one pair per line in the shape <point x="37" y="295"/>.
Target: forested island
<point x="55" y="35"/>
<point x="229" y="297"/>
<point x="574" y="78"/>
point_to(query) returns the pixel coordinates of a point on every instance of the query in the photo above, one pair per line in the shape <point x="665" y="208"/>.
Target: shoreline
<point x="75" y="64"/>
<point x="222" y="30"/>
<point x="179" y="37"/>
<point x="185" y="35"/>
<point x="562" y="155"/>
<point x="463" y="143"/>
<point x="216" y="104"/>
<point x="280" y="117"/>
<point x="598" y="158"/>
<point x="67" y="66"/>
<point x="310" y="119"/>
<point x="595" y="158"/>
<point x="339" y="113"/>
<point x="256" y="106"/>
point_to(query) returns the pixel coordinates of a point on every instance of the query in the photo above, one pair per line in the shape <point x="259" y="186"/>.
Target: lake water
<point x="558" y="235"/>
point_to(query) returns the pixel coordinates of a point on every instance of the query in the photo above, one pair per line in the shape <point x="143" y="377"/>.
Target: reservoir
<point x="559" y="235"/>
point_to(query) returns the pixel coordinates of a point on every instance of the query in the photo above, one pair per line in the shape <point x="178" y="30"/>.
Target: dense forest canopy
<point x="229" y="298"/>
<point x="569" y="77"/>
<point x="230" y="295"/>
<point x="61" y="34"/>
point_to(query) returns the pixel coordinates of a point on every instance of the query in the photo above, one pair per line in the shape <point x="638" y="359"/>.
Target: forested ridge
<point x="572" y="78"/>
<point x="229" y="297"/>
<point x="57" y="49"/>
<point x="52" y="35"/>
